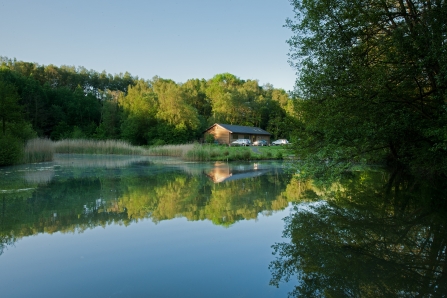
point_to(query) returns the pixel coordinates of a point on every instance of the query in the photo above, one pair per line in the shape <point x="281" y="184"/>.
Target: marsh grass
<point x="171" y="150"/>
<point x="38" y="150"/>
<point x="82" y="146"/>
<point x="200" y="153"/>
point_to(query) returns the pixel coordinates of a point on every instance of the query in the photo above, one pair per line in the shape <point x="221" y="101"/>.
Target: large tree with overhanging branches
<point x="372" y="75"/>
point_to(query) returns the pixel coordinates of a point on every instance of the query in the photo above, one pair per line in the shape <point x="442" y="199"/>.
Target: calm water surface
<point x="98" y="226"/>
<point x="140" y="227"/>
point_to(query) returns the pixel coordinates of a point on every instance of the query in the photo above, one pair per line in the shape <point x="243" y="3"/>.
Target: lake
<point x="101" y="226"/>
<point x="118" y="226"/>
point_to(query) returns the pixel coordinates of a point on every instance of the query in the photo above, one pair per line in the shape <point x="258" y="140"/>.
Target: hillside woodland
<point x="73" y="102"/>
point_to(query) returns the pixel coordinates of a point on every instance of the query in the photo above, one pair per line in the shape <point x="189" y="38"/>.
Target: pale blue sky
<point x="176" y="40"/>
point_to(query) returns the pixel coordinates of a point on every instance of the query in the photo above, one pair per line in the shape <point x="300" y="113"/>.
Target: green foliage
<point x="109" y="127"/>
<point x="373" y="79"/>
<point x="385" y="224"/>
<point x="69" y="102"/>
<point x="11" y="150"/>
<point x="209" y="138"/>
<point x="61" y="131"/>
<point x="279" y="155"/>
<point x="158" y="142"/>
<point x="10" y="110"/>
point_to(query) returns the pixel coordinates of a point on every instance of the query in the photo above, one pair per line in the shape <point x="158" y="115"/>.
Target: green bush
<point x="209" y="139"/>
<point x="246" y="155"/>
<point x="158" y="142"/>
<point x="11" y="151"/>
<point x="279" y="155"/>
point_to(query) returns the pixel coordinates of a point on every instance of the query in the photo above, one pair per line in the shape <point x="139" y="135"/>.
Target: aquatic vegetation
<point x="38" y="150"/>
<point x="83" y="146"/>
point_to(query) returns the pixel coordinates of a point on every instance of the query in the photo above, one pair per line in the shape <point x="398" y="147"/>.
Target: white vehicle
<point x="241" y="142"/>
<point x="280" y="142"/>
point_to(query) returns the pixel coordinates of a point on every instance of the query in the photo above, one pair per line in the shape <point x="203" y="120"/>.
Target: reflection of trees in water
<point x="75" y="202"/>
<point x="39" y="176"/>
<point x="374" y="235"/>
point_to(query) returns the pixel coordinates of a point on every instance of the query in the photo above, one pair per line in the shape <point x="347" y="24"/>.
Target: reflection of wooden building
<point x="219" y="173"/>
<point x="223" y="172"/>
<point x="225" y="133"/>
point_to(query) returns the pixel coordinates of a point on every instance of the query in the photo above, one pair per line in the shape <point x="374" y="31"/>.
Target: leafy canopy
<point x="372" y="75"/>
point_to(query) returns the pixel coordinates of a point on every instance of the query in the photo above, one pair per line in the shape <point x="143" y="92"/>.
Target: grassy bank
<point x="209" y="152"/>
<point x="39" y="150"/>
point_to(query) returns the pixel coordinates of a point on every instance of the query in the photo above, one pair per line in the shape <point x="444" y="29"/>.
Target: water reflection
<point x="40" y="175"/>
<point x="64" y="197"/>
<point x="370" y="234"/>
<point x="99" y="161"/>
<point x="222" y="172"/>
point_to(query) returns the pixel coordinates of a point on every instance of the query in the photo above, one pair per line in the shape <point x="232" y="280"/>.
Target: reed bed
<point x="38" y="150"/>
<point x="83" y="146"/>
<point x="200" y="153"/>
<point x="171" y="150"/>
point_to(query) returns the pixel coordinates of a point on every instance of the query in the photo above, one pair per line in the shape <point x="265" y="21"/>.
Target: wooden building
<point x="225" y="133"/>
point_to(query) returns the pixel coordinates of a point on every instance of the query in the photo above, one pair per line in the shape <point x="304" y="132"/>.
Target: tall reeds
<point x="38" y="150"/>
<point x="171" y="150"/>
<point x="199" y="153"/>
<point x="82" y="146"/>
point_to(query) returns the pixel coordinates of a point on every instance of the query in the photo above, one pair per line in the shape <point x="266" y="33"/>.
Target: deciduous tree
<point x="373" y="79"/>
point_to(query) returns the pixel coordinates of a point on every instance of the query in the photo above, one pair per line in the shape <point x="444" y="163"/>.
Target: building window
<point x="246" y="137"/>
<point x="234" y="136"/>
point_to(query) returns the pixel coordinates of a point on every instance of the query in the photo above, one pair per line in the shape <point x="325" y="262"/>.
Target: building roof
<point x="242" y="129"/>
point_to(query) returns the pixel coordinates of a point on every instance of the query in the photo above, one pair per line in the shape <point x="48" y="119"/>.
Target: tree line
<point x="73" y="102"/>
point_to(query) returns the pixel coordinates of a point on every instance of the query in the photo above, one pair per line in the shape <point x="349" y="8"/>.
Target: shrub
<point x="246" y="155"/>
<point x="158" y="142"/>
<point x="209" y="139"/>
<point x="11" y="151"/>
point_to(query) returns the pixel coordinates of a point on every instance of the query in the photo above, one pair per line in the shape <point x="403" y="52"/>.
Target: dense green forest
<point x="73" y="102"/>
